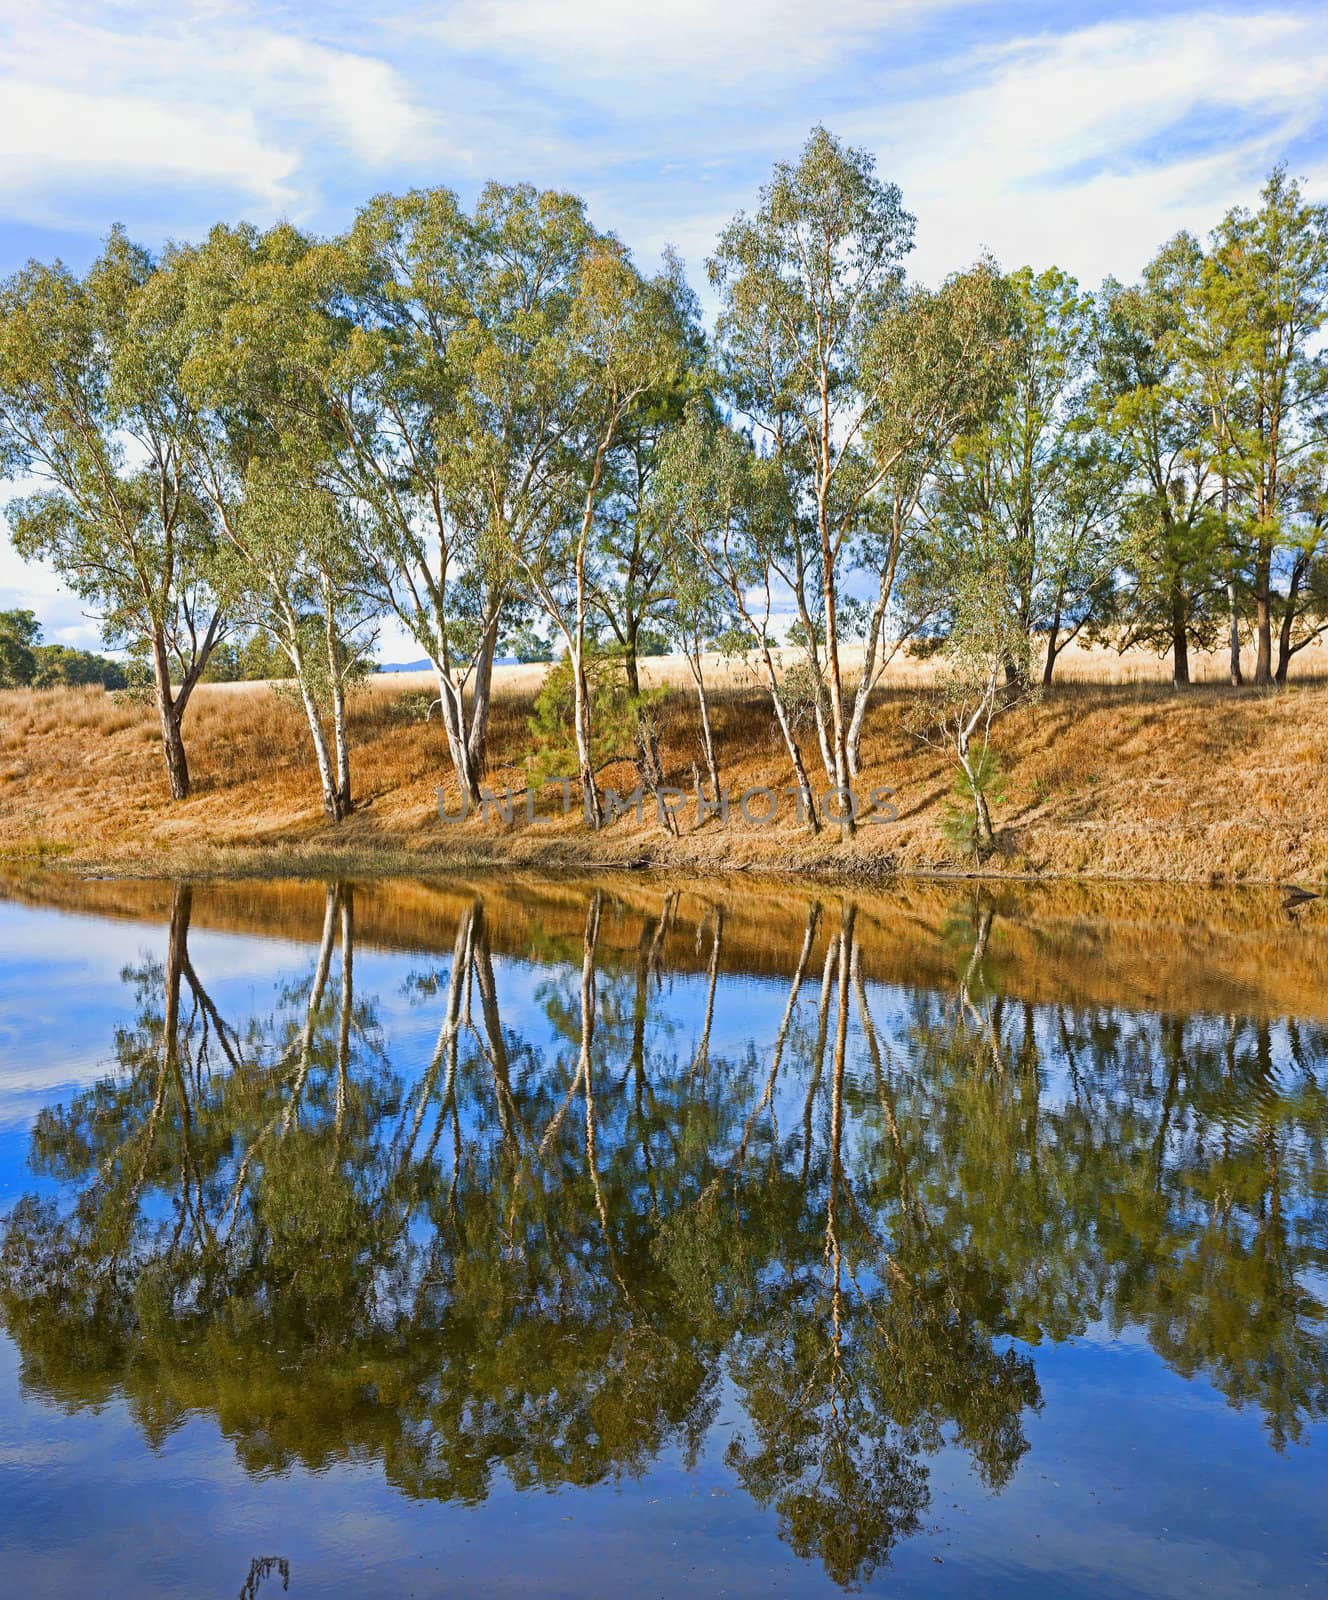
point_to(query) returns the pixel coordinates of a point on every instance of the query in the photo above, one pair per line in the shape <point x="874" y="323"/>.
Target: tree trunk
<point x="477" y="738"/>
<point x="1263" y="615"/>
<point x="1180" y="640"/>
<point x="1237" y="676"/>
<point x="790" y="741"/>
<point x="1284" y="651"/>
<point x="336" y="679"/>
<point x="341" y="744"/>
<point x="871" y="648"/>
<point x="838" y="730"/>
<point x="1053" y="650"/>
<point x="985" y="835"/>
<point x="707" y="734"/>
<point x="823" y="737"/>
<point x="172" y="744"/>
<point x="581" y="724"/>
<point x="631" y="665"/>
<point x="866" y="683"/>
<point x="331" y="795"/>
<point x="454" y="726"/>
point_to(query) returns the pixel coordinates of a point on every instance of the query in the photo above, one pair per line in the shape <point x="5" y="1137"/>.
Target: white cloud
<point x="1074" y="145"/>
<point x="606" y="47"/>
<point x="1074" y="148"/>
<point x="113" y="101"/>
<point x="49" y="134"/>
<point x="32" y="586"/>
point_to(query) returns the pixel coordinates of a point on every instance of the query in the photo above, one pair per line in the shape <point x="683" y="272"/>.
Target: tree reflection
<point x="540" y="1250"/>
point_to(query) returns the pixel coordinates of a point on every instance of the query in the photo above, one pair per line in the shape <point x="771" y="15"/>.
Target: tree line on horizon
<point x="491" y="426"/>
<point x="27" y="663"/>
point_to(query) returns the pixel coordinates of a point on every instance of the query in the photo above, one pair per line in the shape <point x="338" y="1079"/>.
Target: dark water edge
<point x="530" y="1236"/>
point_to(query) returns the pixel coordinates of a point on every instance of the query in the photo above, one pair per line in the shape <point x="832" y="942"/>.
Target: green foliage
<point x="616" y="715"/>
<point x="91" y="408"/>
<point x="529" y="646"/>
<point x="19" y="634"/>
<point x="803" y="690"/>
<point x="1250" y="345"/>
<point x="959" y="824"/>
<point x="1034" y="485"/>
<point x="59" y="664"/>
<point x="248" y="659"/>
<point x="25" y="661"/>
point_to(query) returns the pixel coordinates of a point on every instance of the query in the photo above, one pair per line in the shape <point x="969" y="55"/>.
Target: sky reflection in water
<point x="577" y="1239"/>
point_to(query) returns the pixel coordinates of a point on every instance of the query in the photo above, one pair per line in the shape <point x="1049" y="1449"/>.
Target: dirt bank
<point x="1101" y="781"/>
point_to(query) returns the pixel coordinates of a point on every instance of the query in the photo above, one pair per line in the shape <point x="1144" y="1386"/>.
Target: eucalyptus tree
<point x="728" y="508"/>
<point x="634" y="563"/>
<point x="256" y="347"/>
<point x="479" y="388"/>
<point x="621" y="345"/>
<point x="1253" y="341"/>
<point x="985" y="670"/>
<point x="449" y="416"/>
<point x="803" y="283"/>
<point x="383" y="317"/>
<point x="934" y="357"/>
<point x="92" y="409"/>
<point x="1173" y="544"/>
<point x="1036" y="481"/>
<point x="288" y="565"/>
<point x="454" y="416"/>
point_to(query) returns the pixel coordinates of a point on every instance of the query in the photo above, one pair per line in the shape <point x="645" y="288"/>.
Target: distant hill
<point x="425" y="665"/>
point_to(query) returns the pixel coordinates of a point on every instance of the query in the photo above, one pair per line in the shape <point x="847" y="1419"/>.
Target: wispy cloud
<point x="702" y="50"/>
<point x="101" y="104"/>
<point x="1091" y="147"/>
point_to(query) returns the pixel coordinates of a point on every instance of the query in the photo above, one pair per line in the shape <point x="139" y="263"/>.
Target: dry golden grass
<point x="1161" y="947"/>
<point x="1102" y="779"/>
<point x="1077" y="664"/>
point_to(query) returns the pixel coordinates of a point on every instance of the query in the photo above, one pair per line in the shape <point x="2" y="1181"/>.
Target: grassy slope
<point x="1103" y="779"/>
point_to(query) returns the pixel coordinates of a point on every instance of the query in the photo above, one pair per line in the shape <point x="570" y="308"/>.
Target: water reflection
<point x="621" y="1184"/>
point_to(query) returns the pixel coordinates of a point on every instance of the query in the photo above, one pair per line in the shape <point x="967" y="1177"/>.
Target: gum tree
<point x="1173" y="545"/>
<point x="255" y="353"/>
<point x="288" y="566"/>
<point x="1253" y="344"/>
<point x="621" y="347"/>
<point x="93" y="410"/>
<point x="803" y="282"/>
<point x="404" y="303"/>
<point x="1036" y="482"/>
<point x="934" y="356"/>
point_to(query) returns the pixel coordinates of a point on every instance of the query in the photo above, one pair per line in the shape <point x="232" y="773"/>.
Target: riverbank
<point x="1101" y="781"/>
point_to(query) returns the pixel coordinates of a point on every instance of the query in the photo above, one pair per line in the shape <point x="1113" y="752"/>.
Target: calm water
<point x="563" y="1239"/>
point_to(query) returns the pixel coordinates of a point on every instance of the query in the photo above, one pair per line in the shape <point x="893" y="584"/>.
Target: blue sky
<point x="1083" y="134"/>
